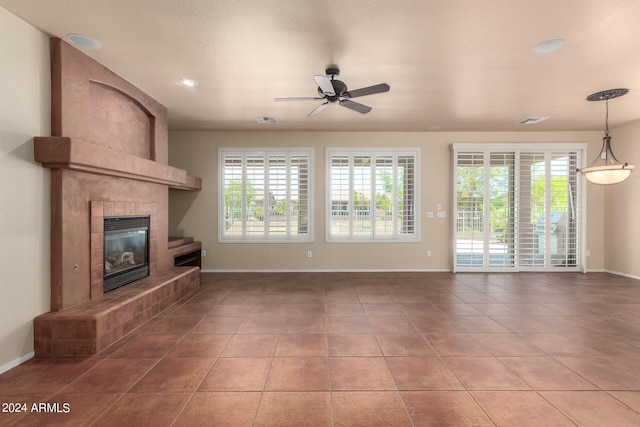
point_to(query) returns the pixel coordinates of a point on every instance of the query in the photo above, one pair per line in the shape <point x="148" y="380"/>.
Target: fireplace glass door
<point x="126" y="253"/>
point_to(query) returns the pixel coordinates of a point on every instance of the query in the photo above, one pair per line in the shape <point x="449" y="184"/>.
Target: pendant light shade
<point x="605" y="175"/>
<point x="606" y="168"/>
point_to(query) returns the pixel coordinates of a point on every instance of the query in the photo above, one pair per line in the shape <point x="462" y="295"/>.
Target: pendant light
<point x="610" y="170"/>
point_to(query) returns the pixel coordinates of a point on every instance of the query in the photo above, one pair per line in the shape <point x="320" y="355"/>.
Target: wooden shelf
<point x="185" y="251"/>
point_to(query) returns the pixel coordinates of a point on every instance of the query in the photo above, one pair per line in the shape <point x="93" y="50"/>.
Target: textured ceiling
<point x="461" y="65"/>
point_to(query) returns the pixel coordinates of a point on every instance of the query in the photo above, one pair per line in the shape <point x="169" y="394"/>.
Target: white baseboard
<point x="384" y="271"/>
<point x="618" y="273"/>
<point x="327" y="271"/>
<point x="16" y="362"/>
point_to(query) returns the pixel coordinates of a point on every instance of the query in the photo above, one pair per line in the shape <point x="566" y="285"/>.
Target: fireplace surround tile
<point x="97" y="208"/>
<point x="101" y="209"/>
<point x="108" y="209"/>
<point x="118" y="209"/>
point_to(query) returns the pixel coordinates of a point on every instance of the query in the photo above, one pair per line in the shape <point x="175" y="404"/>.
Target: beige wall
<point x="622" y="207"/>
<point x="24" y="186"/>
<point x="195" y="214"/>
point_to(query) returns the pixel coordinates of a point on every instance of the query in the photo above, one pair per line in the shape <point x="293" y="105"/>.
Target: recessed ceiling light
<point x="532" y="120"/>
<point x="189" y="82"/>
<point x="83" y="41"/>
<point x="548" y="46"/>
<point x="266" y="120"/>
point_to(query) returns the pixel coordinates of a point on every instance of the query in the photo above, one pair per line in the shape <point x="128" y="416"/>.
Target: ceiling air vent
<point x="532" y="120"/>
<point x="266" y="120"/>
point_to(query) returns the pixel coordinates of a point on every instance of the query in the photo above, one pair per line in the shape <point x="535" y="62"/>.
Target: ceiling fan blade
<point x="299" y="98"/>
<point x="318" y="109"/>
<point x="360" y="108"/>
<point x="325" y="85"/>
<point x="370" y="90"/>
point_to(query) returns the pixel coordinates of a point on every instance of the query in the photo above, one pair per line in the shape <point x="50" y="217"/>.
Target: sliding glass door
<point x="517" y="209"/>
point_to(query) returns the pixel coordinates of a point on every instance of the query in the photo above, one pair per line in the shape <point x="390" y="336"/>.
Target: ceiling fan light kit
<point x="335" y="91"/>
<point x="606" y="169"/>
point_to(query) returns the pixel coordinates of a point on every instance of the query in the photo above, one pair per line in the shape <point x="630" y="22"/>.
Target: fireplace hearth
<point x="126" y="250"/>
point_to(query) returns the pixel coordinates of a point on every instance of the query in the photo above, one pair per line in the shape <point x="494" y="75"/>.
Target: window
<point x="371" y="195"/>
<point x="265" y="195"/>
<point x="517" y="208"/>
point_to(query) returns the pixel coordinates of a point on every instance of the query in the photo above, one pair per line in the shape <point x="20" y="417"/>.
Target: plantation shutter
<point x="265" y="195"/>
<point x="517" y="209"/>
<point x="372" y="195"/>
<point x="470" y="219"/>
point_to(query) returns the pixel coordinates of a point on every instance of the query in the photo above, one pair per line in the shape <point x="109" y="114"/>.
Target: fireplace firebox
<point x="126" y="250"/>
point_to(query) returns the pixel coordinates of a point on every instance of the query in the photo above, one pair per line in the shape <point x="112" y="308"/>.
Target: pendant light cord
<point x="610" y="158"/>
<point x="606" y="119"/>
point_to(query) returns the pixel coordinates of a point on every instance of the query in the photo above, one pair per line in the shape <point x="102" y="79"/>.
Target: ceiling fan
<point x="332" y="90"/>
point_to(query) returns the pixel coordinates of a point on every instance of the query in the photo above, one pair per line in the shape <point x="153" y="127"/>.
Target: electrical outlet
<point x="309" y="254"/>
<point x="204" y="253"/>
<point x="429" y="254"/>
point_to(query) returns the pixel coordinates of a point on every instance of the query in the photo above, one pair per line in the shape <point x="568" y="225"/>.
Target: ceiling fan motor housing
<point x="338" y="87"/>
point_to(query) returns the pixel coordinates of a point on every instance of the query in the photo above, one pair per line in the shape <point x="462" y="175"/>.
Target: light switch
<point x="442" y="214"/>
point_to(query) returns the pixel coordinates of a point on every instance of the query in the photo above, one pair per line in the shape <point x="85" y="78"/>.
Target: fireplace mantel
<point x="77" y="155"/>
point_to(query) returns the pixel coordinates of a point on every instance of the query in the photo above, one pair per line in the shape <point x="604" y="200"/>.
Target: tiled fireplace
<point x="108" y="158"/>
<point x="101" y="212"/>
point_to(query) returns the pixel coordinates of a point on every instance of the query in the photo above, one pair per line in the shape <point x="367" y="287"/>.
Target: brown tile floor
<point x="359" y="349"/>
